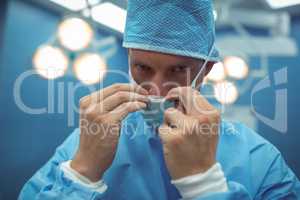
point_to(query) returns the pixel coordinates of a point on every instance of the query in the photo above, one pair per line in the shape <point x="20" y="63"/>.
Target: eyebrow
<point x="139" y="63"/>
<point x="179" y="65"/>
<point x="186" y="64"/>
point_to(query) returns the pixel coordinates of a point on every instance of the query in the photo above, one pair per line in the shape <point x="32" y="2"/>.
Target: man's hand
<point x="101" y="114"/>
<point x="189" y="133"/>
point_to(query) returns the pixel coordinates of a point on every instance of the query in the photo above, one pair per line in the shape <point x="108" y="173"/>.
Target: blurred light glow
<point x="90" y="68"/>
<point x="110" y="15"/>
<point x="217" y="73"/>
<point x="94" y="2"/>
<point x="215" y="13"/>
<point x="236" y="67"/>
<point x="226" y="92"/>
<point x="276" y="4"/>
<point x="74" y="5"/>
<point x="86" y="12"/>
<point x="75" y="34"/>
<point x="50" y="62"/>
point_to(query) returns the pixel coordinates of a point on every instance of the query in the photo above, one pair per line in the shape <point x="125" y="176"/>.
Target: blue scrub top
<point x="254" y="168"/>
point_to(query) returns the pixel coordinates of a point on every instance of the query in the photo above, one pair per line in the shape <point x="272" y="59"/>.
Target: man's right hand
<point x="101" y="114"/>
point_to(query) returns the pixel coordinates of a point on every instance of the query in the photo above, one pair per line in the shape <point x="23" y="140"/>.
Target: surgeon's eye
<point x="143" y="68"/>
<point x="179" y="69"/>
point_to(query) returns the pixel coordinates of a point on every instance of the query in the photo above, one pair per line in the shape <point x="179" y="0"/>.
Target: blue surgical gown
<point x="254" y="168"/>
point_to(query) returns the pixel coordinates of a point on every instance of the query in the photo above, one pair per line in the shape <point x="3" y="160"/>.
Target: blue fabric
<point x="253" y="167"/>
<point x="176" y="27"/>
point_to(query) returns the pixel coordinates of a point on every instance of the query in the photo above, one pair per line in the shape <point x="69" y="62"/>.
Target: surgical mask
<point x="153" y="114"/>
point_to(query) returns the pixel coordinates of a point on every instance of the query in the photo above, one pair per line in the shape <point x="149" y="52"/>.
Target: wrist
<point x="87" y="169"/>
<point x="190" y="171"/>
<point x="206" y="166"/>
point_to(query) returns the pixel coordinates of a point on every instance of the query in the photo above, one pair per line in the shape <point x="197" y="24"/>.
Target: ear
<point x="209" y="66"/>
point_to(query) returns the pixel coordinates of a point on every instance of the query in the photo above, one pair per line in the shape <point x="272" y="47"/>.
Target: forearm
<point x="50" y="181"/>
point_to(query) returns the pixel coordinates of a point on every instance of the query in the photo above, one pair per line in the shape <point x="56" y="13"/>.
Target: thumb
<point x="173" y="116"/>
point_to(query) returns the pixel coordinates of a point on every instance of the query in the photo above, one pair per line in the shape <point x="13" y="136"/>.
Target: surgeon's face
<point x="159" y="72"/>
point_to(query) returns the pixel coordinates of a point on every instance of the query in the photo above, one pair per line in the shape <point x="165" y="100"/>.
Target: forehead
<point x="160" y="59"/>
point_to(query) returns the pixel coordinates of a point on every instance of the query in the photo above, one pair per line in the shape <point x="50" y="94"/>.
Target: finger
<point x="108" y="91"/>
<point x="185" y="96"/>
<point x="193" y="102"/>
<point x="119" y="113"/>
<point x="178" y="91"/>
<point x="165" y="133"/>
<point x="174" y="117"/>
<point x="170" y="138"/>
<point x="203" y="106"/>
<point x="115" y="100"/>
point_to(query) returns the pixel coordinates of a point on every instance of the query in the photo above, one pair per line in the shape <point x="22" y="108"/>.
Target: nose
<point x="156" y="86"/>
<point x="153" y="91"/>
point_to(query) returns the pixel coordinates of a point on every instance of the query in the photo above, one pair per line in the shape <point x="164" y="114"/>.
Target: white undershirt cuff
<point x="76" y="177"/>
<point x="198" y="185"/>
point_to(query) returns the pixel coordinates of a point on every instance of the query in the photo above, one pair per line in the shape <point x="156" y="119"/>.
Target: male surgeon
<point x="192" y="154"/>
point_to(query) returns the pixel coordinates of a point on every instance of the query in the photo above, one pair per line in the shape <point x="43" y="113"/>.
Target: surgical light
<point x="89" y="68"/>
<point x="217" y="73"/>
<point x="215" y="14"/>
<point x="276" y="4"/>
<point x="226" y="92"/>
<point x="236" y="67"/>
<point x="110" y="15"/>
<point x="50" y="62"/>
<point x="75" y="34"/>
<point x="74" y="5"/>
<point x="94" y="2"/>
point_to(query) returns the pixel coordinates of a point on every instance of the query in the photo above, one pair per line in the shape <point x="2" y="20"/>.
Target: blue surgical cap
<point x="180" y="27"/>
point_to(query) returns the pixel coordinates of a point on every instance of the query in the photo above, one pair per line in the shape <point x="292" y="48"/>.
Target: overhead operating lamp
<point x="50" y="62"/>
<point x="277" y="4"/>
<point x="89" y="68"/>
<point x="75" y="34"/>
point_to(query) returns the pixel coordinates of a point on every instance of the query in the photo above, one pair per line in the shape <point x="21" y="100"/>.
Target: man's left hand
<point x="189" y="133"/>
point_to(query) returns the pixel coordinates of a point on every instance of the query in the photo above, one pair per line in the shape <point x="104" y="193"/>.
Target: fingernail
<point x="170" y="97"/>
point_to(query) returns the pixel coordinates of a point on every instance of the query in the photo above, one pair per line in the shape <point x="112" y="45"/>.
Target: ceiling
<point x="250" y="6"/>
<point x="260" y="5"/>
